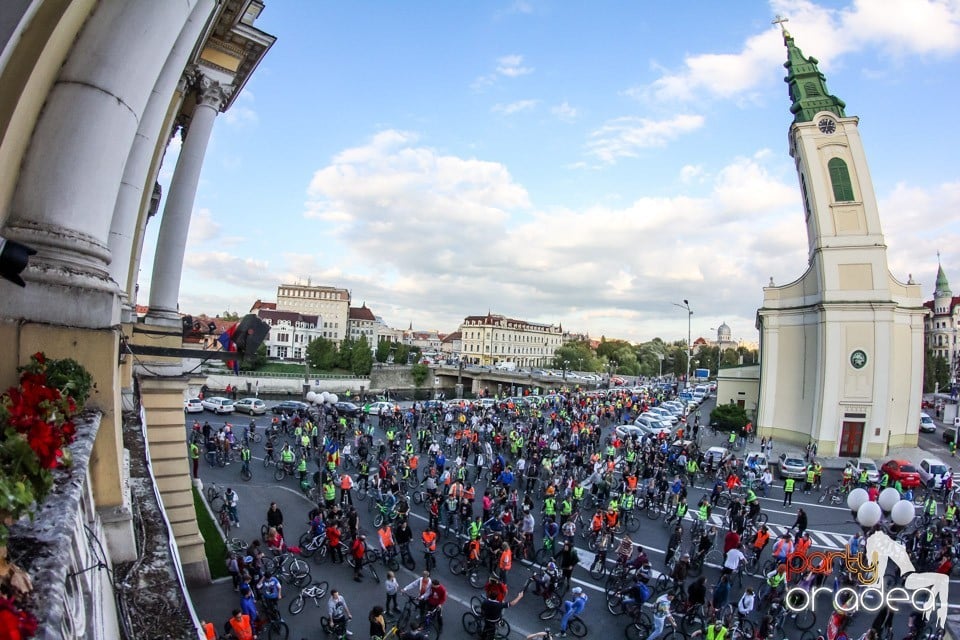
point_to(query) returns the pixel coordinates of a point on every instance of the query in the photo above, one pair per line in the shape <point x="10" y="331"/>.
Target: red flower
<point x="39" y="357"/>
<point x="15" y="624"/>
<point x="45" y="440"/>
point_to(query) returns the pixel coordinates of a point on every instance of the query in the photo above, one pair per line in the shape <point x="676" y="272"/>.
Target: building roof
<point x="954" y="301"/>
<point x="362" y="313"/>
<point x="502" y="321"/>
<point x="287" y="316"/>
<point x="943" y="287"/>
<point x="452" y="337"/>
<point x="260" y="304"/>
<point x="808" y="87"/>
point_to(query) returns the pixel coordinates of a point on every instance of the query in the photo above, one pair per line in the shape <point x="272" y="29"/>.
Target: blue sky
<point x="580" y="163"/>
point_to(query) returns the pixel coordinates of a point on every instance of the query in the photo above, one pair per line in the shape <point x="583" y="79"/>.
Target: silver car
<point x="792" y="467"/>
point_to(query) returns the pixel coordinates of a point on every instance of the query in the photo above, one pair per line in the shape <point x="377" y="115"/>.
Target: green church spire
<point x="943" y="287"/>
<point x="808" y="87"/>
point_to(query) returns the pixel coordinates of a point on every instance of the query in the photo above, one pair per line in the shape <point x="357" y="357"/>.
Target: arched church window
<point x="803" y="190"/>
<point x="811" y="89"/>
<point x="840" y="179"/>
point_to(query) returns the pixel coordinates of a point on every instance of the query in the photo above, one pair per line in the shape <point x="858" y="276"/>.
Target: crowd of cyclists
<point x="509" y="490"/>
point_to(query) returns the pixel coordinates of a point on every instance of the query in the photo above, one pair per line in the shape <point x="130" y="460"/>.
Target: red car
<point x="903" y="471"/>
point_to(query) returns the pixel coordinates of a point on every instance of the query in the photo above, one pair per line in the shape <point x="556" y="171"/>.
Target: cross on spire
<point x="780" y="20"/>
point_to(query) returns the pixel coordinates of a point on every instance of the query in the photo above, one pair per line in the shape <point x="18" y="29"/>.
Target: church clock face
<point x="858" y="359"/>
<point x="827" y="125"/>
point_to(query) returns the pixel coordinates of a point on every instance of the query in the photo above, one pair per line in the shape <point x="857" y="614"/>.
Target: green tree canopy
<point x="258" y="360"/>
<point x="419" y="372"/>
<point x="321" y="354"/>
<point x="383" y="350"/>
<point x="729" y="417"/>
<point x="361" y="362"/>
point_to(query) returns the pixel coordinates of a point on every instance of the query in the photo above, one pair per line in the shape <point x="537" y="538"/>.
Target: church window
<point x="806" y="198"/>
<point x="840" y="179"/>
<point x="811" y="89"/>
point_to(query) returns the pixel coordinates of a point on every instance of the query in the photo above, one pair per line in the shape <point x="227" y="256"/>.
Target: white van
<point x="507" y="366"/>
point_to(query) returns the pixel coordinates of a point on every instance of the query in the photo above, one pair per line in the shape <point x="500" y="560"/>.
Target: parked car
<point x="218" y="405"/>
<point x="902" y="470"/>
<point x="930" y="469"/>
<point x="927" y="425"/>
<point x="347" y="409"/>
<point x="714" y="456"/>
<point x="792" y="467"/>
<point x="653" y="424"/>
<point x="665" y="414"/>
<point x="290" y="406"/>
<point x="631" y="430"/>
<point x="253" y="406"/>
<point x="192" y="405"/>
<point x="374" y="408"/>
<point x="868" y="465"/>
<point x="949" y="434"/>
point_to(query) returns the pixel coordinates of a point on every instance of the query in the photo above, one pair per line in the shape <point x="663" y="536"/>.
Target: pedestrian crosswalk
<point x="821" y="539"/>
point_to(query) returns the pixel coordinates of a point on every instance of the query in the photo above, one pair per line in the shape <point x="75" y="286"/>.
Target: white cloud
<point x="565" y="112"/>
<point x="509" y="66"/>
<point x="624" y="137"/>
<point x="904" y="27"/>
<point x="241" y="112"/>
<point x="202" y="227"/>
<point x="226" y="268"/>
<point x="514" y="107"/>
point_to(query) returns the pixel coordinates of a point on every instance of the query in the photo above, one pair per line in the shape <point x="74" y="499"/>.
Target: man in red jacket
<point x="438" y="595"/>
<point x="358" y="550"/>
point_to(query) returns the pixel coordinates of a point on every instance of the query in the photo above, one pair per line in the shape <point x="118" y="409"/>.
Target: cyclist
<point x="716" y="631"/>
<point x="572" y="608"/>
<point x="491" y="612"/>
<point x="429" y="539"/>
<point x="239" y="625"/>
<point x="339" y="612"/>
<point x="661" y="615"/>
<point x="286" y="458"/>
<point x="271" y="591"/>
<point x="387" y="543"/>
<point x="776" y="580"/>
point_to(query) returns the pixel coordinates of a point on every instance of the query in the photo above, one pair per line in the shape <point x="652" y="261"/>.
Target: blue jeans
<point x="567" y="614"/>
<point x="658" y="624"/>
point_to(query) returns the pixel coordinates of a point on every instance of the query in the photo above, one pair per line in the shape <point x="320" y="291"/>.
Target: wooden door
<point x="851" y="438"/>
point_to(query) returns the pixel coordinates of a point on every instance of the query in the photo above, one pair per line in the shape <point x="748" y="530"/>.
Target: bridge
<point x="492" y="381"/>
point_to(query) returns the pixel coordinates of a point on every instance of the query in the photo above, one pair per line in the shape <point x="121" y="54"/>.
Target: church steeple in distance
<point x="807" y="86"/>
<point x="942" y="292"/>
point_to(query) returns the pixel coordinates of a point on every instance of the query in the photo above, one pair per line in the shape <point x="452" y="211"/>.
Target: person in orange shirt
<point x="240" y="626"/>
<point x="346" y="484"/>
<point x="387" y="544"/>
<point x="209" y="631"/>
<point x="505" y="563"/>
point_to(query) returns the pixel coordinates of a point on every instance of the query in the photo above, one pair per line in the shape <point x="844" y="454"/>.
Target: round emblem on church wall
<point x="858" y="359"/>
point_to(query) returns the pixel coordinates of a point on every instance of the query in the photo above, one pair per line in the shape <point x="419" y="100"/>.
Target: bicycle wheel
<point x="544" y="556"/>
<point x="477" y="577"/>
<point x="266" y="462"/>
<point x="471" y="623"/>
<point x="245" y="474"/>
<point x="212" y="493"/>
<point x="662" y="584"/>
<point x="378" y="520"/>
<point x="279" y="473"/>
<point x="300" y="571"/>
<point x="812" y="635"/>
<point x="597" y="570"/>
<point x="577" y="627"/>
<point x="615" y="603"/>
<point x="451" y="548"/>
<point x="636" y="631"/>
<point x="277" y="630"/>
<point x="633" y="524"/>
<point x="760" y="520"/>
<point x="408" y="562"/>
<point x="548" y="614"/>
<point x="503" y="630"/>
<point x="296" y="605"/>
<point x="804" y="619"/>
<point x="653" y="511"/>
<point x="475" y="603"/>
<point x="714" y="557"/>
<point x="457" y="566"/>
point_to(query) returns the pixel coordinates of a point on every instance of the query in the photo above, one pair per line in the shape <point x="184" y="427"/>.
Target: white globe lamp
<point x="325" y="397"/>
<point x="856" y="499"/>
<point x="311" y="397"/>
<point x="903" y="513"/>
<point x="869" y="514"/>
<point x="888" y="497"/>
<point x="333" y="398"/>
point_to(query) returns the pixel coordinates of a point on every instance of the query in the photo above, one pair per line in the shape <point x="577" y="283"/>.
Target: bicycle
<point x="314" y="591"/>
<point x="474" y="624"/>
<point x="275" y="628"/>
<point x="223" y="519"/>
<point x="215" y="497"/>
<point x="368" y="562"/>
<point x="291" y="569"/>
<point x="338" y="630"/>
<point x="245" y="474"/>
<point x="575" y="625"/>
<point x="640" y="628"/>
<point x="476" y="574"/>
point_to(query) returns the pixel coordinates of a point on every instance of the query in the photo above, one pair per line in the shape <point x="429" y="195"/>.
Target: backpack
<point x="643" y="591"/>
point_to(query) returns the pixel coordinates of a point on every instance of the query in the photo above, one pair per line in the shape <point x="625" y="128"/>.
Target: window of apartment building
<point x="281" y="352"/>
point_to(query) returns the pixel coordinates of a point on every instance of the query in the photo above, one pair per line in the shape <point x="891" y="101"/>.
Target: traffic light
<point x="249" y="335"/>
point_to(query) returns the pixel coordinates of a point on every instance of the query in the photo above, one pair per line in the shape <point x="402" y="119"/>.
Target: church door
<point x="851" y="438"/>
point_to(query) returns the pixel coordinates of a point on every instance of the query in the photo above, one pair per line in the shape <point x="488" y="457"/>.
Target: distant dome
<point x="723" y="333"/>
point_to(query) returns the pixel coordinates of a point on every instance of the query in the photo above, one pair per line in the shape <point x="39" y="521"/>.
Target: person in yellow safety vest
<point x="682" y="509"/>
<point x="716" y="631"/>
<point x="950" y="513"/>
<point x="578" y="494"/>
<point x="566" y="508"/>
<point x="329" y="492"/>
<point x="286" y="456"/>
<point x="297" y="432"/>
<point x="302" y="469"/>
<point x="611" y="451"/>
<point x="550" y="506"/>
<point x="732" y="438"/>
<point x="614" y="505"/>
<point x="692" y="467"/>
<point x="930" y="508"/>
<point x="704" y="511"/>
<point x="305" y="441"/>
<point x="628" y="502"/>
<point x="817" y="474"/>
<point x="884" y="480"/>
<point x="474" y="529"/>
<point x="788" y="484"/>
<point x="777" y="578"/>
<point x="808" y="484"/>
<point x="862" y="480"/>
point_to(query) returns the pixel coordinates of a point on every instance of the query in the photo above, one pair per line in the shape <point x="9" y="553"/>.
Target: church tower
<point x="942" y="296"/>
<point x="842" y="347"/>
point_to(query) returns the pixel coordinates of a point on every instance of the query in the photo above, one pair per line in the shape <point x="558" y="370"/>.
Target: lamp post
<point x="566" y="363"/>
<point x="686" y="305"/>
<point x="660" y="357"/>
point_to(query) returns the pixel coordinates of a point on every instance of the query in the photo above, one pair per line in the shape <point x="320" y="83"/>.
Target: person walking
<point x="392" y="588"/>
<point x="231" y="500"/>
<point x="240" y="626"/>
<point x="378" y="626"/>
<point x="788" y="486"/>
<point x="662" y="615"/>
<point x="800" y="524"/>
<point x="358" y="550"/>
<point x="435" y="601"/>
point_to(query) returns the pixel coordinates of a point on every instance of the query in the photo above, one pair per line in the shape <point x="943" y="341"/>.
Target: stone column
<point x="68" y="182"/>
<point x="172" y="240"/>
<point x="130" y="210"/>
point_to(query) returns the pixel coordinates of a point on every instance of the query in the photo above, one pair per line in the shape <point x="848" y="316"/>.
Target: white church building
<point x="842" y="346"/>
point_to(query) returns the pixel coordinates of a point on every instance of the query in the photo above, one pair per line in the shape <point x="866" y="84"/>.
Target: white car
<point x="192" y="405"/>
<point x="932" y="472"/>
<point x="631" y="430"/>
<point x="927" y="425"/>
<point x="663" y="413"/>
<point x="873" y="471"/>
<point x="758" y="460"/>
<point x="218" y="405"/>
<point x="374" y="408"/>
<point x="654" y="424"/>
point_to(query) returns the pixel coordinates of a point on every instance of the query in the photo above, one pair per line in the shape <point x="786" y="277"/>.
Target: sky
<point x="588" y="164"/>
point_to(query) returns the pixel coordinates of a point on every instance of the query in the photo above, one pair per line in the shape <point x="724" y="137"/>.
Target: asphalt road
<point x="830" y="527"/>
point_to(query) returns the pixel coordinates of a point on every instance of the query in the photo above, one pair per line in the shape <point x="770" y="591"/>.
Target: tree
<point x="257" y="361"/>
<point x="362" y="359"/>
<point x="419" y="373"/>
<point x="321" y="354"/>
<point x="231" y="316"/>
<point x="730" y="358"/>
<point x="383" y="350"/>
<point x="729" y="417"/>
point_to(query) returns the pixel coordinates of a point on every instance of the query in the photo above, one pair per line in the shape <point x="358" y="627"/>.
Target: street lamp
<point x="686" y="305"/>
<point x="660" y="357"/>
<point x="565" y="364"/>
